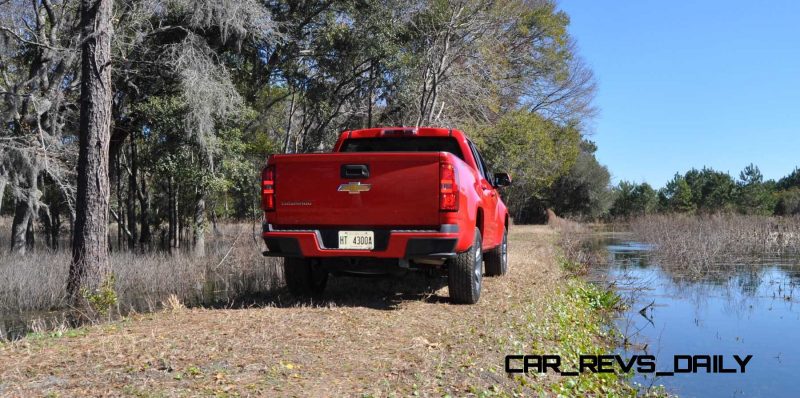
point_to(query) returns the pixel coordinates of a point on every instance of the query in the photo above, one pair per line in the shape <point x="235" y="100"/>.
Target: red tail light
<point x="268" y="188"/>
<point x="448" y="187"/>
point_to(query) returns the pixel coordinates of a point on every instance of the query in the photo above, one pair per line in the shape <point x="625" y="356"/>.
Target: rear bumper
<point x="389" y="243"/>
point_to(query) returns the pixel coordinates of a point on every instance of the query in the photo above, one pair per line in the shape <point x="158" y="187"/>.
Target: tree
<point x="174" y="69"/>
<point x="682" y="200"/>
<point x="90" y="270"/>
<point x="3" y="177"/>
<point x="536" y="152"/>
<point x="633" y="199"/>
<point x="753" y="196"/>
<point x="790" y="181"/>
<point x="677" y="196"/>
<point x="204" y="89"/>
<point x="584" y="190"/>
<point x="788" y="202"/>
<point x="38" y="57"/>
<point x="27" y="206"/>
<point x="470" y="62"/>
<point x="712" y="191"/>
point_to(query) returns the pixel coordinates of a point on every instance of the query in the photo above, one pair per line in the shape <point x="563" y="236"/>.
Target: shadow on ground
<point x="376" y="292"/>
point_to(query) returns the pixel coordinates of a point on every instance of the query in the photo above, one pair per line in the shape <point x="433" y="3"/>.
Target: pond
<point x="747" y="309"/>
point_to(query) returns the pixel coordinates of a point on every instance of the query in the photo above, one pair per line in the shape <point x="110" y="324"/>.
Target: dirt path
<point x="370" y="338"/>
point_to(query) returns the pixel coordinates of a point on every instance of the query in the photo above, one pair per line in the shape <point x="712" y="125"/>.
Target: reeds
<point x="702" y="243"/>
<point x="574" y="240"/>
<point x="232" y="268"/>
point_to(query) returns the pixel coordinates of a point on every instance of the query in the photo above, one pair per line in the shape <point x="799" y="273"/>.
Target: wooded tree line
<point x="707" y="191"/>
<point x="202" y="90"/>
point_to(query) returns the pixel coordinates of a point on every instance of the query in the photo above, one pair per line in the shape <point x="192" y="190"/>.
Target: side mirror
<point x="502" y="179"/>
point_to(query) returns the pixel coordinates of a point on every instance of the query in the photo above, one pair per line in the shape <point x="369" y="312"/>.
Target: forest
<point x="202" y="91"/>
<point x="707" y="191"/>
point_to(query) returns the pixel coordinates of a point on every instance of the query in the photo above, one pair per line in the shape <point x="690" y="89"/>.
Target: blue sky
<point x="691" y="84"/>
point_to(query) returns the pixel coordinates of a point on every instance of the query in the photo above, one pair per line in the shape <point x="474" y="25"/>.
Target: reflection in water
<point x="748" y="308"/>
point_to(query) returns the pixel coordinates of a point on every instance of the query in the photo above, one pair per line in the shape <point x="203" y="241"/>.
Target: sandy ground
<point x="370" y="337"/>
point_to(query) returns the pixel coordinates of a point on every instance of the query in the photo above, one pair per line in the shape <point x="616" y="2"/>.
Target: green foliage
<point x="753" y="195"/>
<point x="580" y="326"/>
<point x="633" y="199"/>
<point x="535" y="151"/>
<point x="712" y="191"/>
<point x="103" y="300"/>
<point x="702" y="191"/>
<point x="583" y="192"/>
<point x="572" y="267"/>
<point x="788" y="202"/>
<point x="677" y="196"/>
<point x="708" y="191"/>
<point x="790" y="181"/>
<point x="597" y="298"/>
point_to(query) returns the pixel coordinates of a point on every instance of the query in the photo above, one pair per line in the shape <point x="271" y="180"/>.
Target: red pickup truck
<point x="385" y="200"/>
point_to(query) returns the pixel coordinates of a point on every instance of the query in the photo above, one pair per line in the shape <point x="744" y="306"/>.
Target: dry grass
<point x="703" y="243"/>
<point x="573" y="240"/>
<point x="33" y="286"/>
<point x="380" y="338"/>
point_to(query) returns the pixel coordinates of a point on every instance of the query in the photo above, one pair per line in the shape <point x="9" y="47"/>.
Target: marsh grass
<point x="575" y="241"/>
<point x="582" y="321"/>
<point x="33" y="286"/>
<point x="703" y="244"/>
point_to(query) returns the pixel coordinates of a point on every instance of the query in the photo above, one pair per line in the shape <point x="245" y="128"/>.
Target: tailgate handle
<point x="355" y="171"/>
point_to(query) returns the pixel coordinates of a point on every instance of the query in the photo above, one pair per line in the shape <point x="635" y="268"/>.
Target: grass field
<point x="232" y="270"/>
<point x="369" y="337"/>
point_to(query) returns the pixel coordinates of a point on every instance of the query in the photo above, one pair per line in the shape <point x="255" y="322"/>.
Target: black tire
<point x="497" y="259"/>
<point x="303" y="278"/>
<point x="464" y="274"/>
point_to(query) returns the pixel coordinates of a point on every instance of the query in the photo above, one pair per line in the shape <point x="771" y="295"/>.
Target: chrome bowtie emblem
<point x="354" y="188"/>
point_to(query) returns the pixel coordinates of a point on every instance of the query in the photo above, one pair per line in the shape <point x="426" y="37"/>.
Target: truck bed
<point x="377" y="189"/>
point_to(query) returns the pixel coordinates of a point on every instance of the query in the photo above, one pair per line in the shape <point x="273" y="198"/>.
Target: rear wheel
<point x="465" y="274"/>
<point x="497" y="259"/>
<point x="303" y="278"/>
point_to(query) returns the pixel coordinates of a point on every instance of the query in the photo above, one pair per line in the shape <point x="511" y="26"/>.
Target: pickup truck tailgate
<point x="401" y="189"/>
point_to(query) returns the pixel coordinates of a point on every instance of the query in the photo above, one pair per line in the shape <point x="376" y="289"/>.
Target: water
<point x="15" y="326"/>
<point x="750" y="309"/>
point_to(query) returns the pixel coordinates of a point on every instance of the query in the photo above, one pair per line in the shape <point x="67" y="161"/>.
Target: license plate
<point x="359" y="240"/>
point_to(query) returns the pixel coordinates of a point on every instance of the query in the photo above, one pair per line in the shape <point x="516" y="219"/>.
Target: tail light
<point x="448" y="187"/>
<point x="268" y="188"/>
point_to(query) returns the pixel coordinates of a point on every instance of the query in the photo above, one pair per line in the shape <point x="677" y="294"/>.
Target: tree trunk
<point x="47" y="224"/>
<point x="25" y="211"/>
<point x="176" y="212"/>
<point x="90" y="269"/>
<point x="212" y="215"/>
<point x="170" y="216"/>
<point x="174" y="218"/>
<point x="144" y="204"/>
<point x="55" y="225"/>
<point x="289" y="126"/>
<point x="30" y="236"/>
<point x="3" y="184"/>
<point x="200" y="227"/>
<point x="121" y="225"/>
<point x="19" y="227"/>
<point x="371" y="92"/>
<point x="131" y="198"/>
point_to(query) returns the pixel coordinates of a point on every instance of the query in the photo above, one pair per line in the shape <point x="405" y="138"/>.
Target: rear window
<point x="403" y="144"/>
